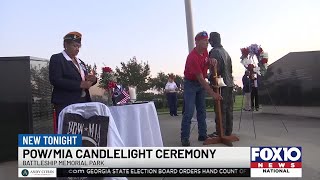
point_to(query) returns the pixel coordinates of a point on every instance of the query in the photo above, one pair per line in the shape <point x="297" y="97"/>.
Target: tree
<point x="159" y="82"/>
<point x="133" y="73"/>
<point x="179" y="80"/>
<point x="238" y="90"/>
<point x="91" y="69"/>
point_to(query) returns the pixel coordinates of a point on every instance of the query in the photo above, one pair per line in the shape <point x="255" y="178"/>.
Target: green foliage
<point x="237" y="90"/>
<point x="163" y="107"/>
<point x="159" y="82"/>
<point x="158" y="99"/>
<point x="133" y="73"/>
<point x="179" y="80"/>
<point x="91" y="69"/>
<point x="238" y="103"/>
<point x="148" y="96"/>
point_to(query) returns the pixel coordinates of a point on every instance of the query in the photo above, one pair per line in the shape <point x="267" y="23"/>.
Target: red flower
<point x="264" y="60"/>
<point x="111" y="85"/>
<point x="260" y="50"/>
<point x="250" y="67"/>
<point x="106" y="69"/>
<point x="245" y="52"/>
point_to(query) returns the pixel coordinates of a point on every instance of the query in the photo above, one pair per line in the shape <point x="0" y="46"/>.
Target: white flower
<point x="264" y="55"/>
<point x="245" y="62"/>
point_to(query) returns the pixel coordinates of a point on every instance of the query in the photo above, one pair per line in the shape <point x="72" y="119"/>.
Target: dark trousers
<point x="254" y="98"/>
<point x="226" y="110"/>
<point x="172" y="103"/>
<point x="58" y="109"/>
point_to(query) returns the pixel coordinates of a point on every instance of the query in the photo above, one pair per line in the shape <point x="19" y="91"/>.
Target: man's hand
<point x="217" y="96"/>
<point x="91" y="78"/>
<point x="212" y="62"/>
<point x="85" y="84"/>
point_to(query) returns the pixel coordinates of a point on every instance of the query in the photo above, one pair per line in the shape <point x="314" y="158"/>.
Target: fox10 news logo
<point x="276" y="162"/>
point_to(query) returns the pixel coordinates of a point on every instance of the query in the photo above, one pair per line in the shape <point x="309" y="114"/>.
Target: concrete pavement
<point x="302" y="131"/>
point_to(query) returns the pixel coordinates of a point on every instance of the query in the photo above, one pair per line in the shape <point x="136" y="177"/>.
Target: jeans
<point x="194" y="96"/>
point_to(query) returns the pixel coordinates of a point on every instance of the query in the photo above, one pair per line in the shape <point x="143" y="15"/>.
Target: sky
<point x="155" y="31"/>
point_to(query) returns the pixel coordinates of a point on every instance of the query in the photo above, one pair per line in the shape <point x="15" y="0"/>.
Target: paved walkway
<point x="270" y="131"/>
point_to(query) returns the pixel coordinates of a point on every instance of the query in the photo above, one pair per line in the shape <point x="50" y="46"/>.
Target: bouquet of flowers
<point x="247" y="59"/>
<point x="107" y="79"/>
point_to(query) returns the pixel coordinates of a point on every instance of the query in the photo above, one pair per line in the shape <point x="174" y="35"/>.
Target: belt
<point x="191" y="80"/>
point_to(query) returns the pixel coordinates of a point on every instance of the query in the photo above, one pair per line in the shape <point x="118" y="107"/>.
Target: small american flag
<point x="120" y="96"/>
<point x="125" y="97"/>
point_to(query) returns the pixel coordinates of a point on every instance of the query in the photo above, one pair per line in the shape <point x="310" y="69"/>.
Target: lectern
<point x="25" y="101"/>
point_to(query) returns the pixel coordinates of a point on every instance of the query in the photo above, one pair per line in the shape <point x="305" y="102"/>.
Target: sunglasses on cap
<point x="203" y="33"/>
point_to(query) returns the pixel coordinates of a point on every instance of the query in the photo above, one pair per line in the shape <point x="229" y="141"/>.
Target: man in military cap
<point x="195" y="85"/>
<point x="68" y="75"/>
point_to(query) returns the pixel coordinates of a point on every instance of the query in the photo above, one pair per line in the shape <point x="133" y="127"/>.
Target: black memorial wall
<point x="25" y="101"/>
<point x="293" y="80"/>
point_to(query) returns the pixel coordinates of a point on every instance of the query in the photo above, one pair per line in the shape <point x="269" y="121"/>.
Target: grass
<point x="236" y="107"/>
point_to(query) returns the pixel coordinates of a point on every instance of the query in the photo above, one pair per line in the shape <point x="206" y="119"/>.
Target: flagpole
<point x="189" y="22"/>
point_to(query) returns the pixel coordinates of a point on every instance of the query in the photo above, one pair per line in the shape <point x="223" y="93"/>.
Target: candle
<point x="132" y="93"/>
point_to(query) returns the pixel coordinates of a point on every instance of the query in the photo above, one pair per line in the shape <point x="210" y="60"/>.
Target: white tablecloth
<point x="138" y="125"/>
<point x="87" y="110"/>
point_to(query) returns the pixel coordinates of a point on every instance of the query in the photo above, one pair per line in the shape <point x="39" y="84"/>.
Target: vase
<point x="108" y="94"/>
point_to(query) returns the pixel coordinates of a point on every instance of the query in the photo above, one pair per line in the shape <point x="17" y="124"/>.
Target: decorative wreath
<point x="247" y="59"/>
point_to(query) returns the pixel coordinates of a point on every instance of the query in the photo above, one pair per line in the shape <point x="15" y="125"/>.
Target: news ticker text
<point x="153" y="172"/>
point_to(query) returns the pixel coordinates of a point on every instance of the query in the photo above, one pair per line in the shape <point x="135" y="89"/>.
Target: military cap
<point x="73" y="36"/>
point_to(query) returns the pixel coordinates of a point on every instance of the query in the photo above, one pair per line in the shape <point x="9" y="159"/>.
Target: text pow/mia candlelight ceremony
<point x="65" y="158"/>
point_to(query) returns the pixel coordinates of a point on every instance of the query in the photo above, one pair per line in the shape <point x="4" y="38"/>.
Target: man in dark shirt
<point x="224" y="68"/>
<point x="247" y="90"/>
<point x="254" y="93"/>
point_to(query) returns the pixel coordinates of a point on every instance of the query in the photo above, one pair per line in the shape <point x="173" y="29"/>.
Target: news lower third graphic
<point x="25" y="172"/>
<point x="62" y="155"/>
<point x="153" y="172"/>
<point x="276" y="162"/>
<point x="49" y="140"/>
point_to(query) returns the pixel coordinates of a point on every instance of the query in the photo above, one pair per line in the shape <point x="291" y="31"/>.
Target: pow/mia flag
<point x="94" y="130"/>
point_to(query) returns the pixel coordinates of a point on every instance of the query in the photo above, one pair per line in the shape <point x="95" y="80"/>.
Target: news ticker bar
<point x="153" y="172"/>
<point x="158" y="172"/>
